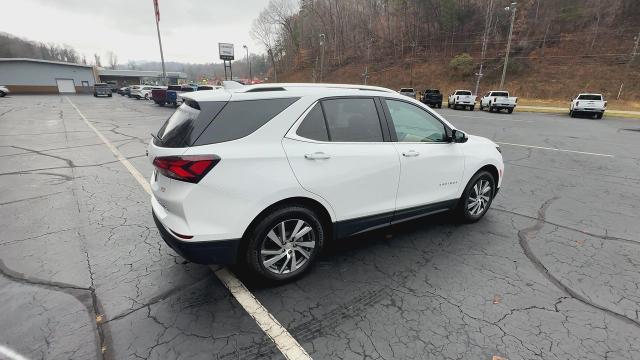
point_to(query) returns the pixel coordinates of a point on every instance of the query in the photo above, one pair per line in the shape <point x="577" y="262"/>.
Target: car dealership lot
<point x="552" y="271"/>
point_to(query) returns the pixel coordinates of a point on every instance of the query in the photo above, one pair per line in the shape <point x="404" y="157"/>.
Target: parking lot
<point x="552" y="271"/>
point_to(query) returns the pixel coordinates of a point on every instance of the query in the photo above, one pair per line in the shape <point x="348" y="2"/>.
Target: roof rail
<point x="284" y="86"/>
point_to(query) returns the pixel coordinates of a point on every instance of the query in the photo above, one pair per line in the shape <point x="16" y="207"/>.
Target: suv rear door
<point x="338" y="152"/>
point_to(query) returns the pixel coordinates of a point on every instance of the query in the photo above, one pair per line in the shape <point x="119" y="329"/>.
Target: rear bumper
<point x="201" y="252"/>
<point x="589" y="111"/>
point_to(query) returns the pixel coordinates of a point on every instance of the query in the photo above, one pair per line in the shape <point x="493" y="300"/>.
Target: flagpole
<point x="157" y="15"/>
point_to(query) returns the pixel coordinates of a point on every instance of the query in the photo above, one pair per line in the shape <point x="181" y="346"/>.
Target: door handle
<point x="317" y="156"/>
<point x="410" y="153"/>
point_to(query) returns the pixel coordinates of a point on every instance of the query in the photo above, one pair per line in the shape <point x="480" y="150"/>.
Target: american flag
<point x="157" y="8"/>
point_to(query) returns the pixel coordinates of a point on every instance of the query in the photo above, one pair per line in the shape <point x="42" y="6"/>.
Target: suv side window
<point x="352" y="120"/>
<point x="313" y="126"/>
<point x="413" y="124"/>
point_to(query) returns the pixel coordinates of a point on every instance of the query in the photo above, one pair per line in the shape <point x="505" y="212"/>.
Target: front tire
<point x="477" y="197"/>
<point x="285" y="243"/>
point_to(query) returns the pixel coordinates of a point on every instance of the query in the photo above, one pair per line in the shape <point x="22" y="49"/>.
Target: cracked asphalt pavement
<point x="551" y="272"/>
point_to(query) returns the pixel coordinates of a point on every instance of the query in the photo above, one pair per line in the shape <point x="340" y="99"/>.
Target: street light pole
<point x="511" y="8"/>
<point x="322" y="40"/>
<point x="249" y="63"/>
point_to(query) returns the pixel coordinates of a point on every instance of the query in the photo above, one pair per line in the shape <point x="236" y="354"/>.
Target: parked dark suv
<point x="101" y="89"/>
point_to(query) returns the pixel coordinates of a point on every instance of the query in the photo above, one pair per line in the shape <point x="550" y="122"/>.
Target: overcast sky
<point x="190" y="29"/>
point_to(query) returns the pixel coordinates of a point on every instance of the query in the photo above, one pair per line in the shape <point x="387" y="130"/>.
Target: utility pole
<point x="157" y="13"/>
<point x="511" y="8"/>
<point x="322" y="42"/>
<point x="634" y="53"/>
<point x="366" y="67"/>
<point x="487" y="25"/>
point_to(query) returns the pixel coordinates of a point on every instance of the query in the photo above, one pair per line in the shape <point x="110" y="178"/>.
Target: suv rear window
<point x="241" y="118"/>
<point x="432" y="91"/>
<point x="406" y="90"/>
<point x="313" y="126"/>
<point x="590" y="97"/>
<point x="187" y="123"/>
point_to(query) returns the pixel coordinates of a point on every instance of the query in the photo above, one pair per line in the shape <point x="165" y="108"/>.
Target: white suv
<point x="267" y="174"/>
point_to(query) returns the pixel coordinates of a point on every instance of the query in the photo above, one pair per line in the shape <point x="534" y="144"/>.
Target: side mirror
<point x="458" y="136"/>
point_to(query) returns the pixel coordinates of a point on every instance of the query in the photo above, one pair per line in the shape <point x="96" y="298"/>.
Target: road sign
<point x="226" y="51"/>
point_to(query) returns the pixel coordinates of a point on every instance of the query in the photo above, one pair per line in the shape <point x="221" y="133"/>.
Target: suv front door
<point x="431" y="166"/>
<point x="338" y="152"/>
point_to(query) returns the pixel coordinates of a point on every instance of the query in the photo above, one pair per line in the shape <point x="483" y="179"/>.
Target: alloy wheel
<point x="479" y="197"/>
<point x="288" y="247"/>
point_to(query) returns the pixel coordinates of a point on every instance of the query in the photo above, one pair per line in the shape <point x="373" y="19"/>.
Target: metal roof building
<point x="35" y="76"/>
<point x="129" y="77"/>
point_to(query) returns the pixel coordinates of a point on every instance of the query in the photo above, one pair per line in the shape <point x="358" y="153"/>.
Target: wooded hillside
<point x="559" y="47"/>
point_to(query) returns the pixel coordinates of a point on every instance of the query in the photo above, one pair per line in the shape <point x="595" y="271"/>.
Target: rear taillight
<point x="577" y="103"/>
<point x="189" y="168"/>
<point x="605" y="104"/>
<point x="495" y="99"/>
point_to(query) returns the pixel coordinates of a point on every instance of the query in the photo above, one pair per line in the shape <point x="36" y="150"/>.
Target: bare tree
<point x="113" y="60"/>
<point x="96" y="57"/>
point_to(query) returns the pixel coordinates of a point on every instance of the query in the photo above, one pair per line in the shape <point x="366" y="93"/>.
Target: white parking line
<point x="10" y="354"/>
<point x="554" y="149"/>
<point x="289" y="347"/>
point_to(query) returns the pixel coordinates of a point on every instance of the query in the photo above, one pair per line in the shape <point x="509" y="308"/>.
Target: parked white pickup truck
<point x="462" y="98"/>
<point x="590" y="104"/>
<point x="498" y="100"/>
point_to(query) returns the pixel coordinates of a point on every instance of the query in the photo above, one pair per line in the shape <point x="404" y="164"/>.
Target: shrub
<point x="462" y="64"/>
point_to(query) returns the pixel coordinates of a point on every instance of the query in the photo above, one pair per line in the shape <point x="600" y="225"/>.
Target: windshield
<point x="590" y="97"/>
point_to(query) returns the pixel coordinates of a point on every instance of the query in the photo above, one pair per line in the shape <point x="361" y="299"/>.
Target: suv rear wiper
<point x="156" y="137"/>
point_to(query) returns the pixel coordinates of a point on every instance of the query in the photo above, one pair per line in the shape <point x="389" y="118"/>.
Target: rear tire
<point x="510" y="110"/>
<point x="477" y="197"/>
<point x="3" y="94"/>
<point x="270" y="253"/>
<point x="599" y="116"/>
<point x="572" y="114"/>
<point x="449" y="105"/>
<point x="440" y="105"/>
